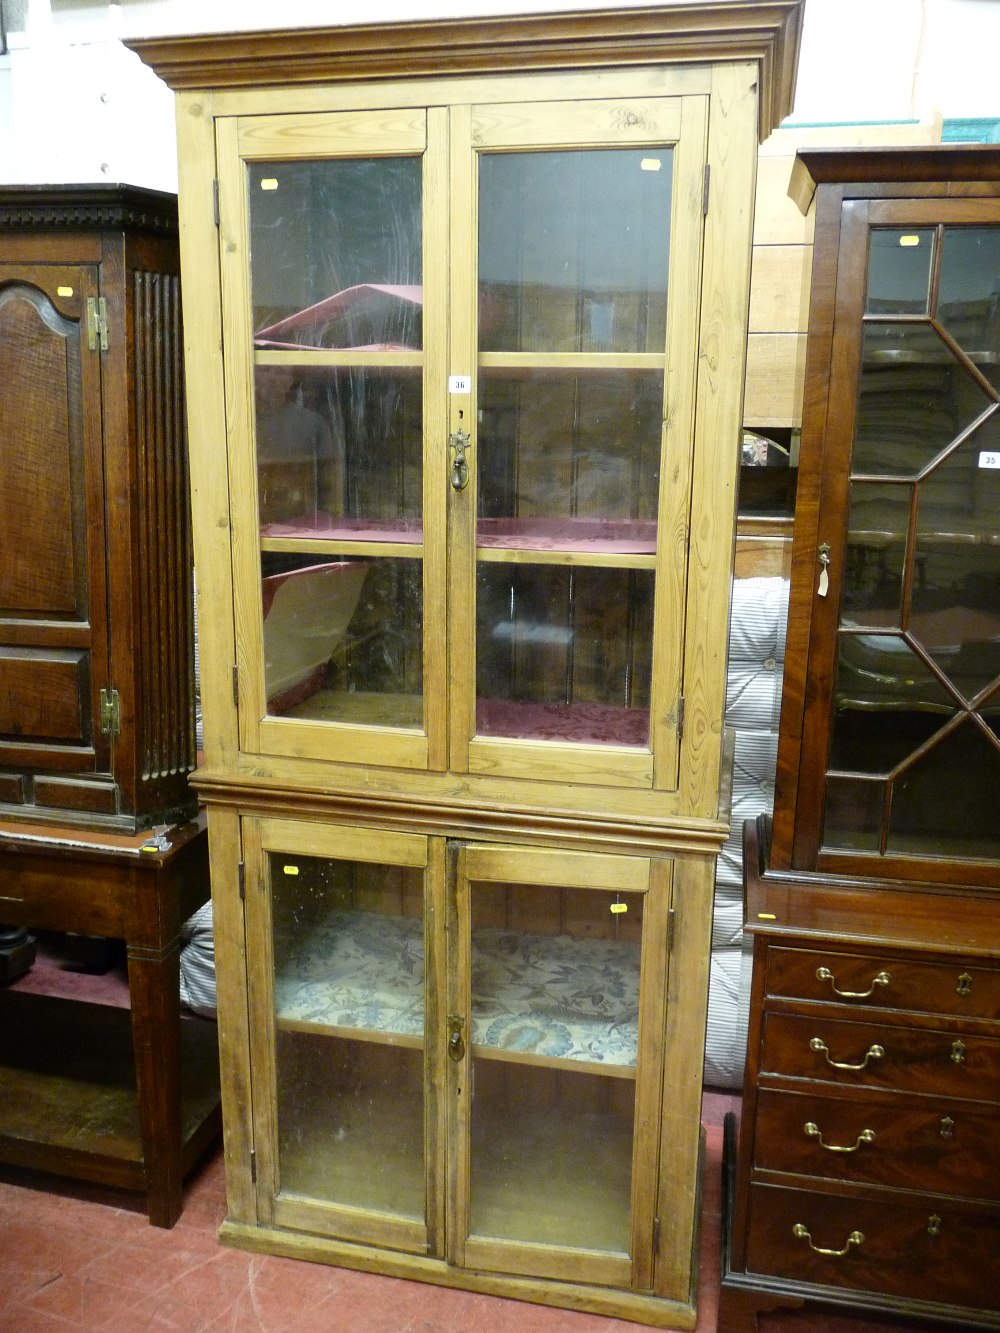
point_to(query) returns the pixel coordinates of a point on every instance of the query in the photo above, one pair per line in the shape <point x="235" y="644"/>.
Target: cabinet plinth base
<point x="649" y="1310"/>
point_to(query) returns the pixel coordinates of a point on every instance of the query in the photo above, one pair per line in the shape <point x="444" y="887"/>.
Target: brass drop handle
<point x="874" y="1052"/>
<point x="814" y="1132"/>
<point x="958" y="1052"/>
<point x="855" y="1238"/>
<point x="459" y="441"/>
<point x="456" y="1042"/>
<point x="880" y="979"/>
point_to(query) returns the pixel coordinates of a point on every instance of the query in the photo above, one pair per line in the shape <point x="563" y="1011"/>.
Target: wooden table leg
<point x="154" y="979"/>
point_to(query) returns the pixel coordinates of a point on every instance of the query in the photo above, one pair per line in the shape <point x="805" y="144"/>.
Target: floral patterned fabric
<point x="544" y="995"/>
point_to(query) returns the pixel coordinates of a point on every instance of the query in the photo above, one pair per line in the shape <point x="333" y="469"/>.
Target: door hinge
<point x="253" y="1166"/>
<point x="671" y="919"/>
<point x="242" y="873"/>
<point x="236" y="686"/>
<point x="680" y="716"/>
<point x="216" y="215"/>
<point x="656" y="1234"/>
<point x="97" y="323"/>
<point x="704" y="197"/>
<point x="111" y="713"/>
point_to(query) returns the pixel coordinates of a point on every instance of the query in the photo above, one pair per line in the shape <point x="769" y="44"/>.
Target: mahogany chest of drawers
<point x="867" y="1170"/>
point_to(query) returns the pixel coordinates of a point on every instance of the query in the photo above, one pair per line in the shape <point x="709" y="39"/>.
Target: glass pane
<point x="914" y="399"/>
<point x="853" y="815"/>
<point x="947" y="802"/>
<point x="576" y="448"/>
<point x="343" y="639"/>
<point x="555" y="1014"/>
<point x="335" y="252"/>
<point x="877" y="527"/>
<point x="956" y="594"/>
<point x="969" y="294"/>
<point x="899" y="270"/>
<point x="339" y="452"/>
<point x="887" y="703"/>
<point x="574" y="258"/>
<point x="349" y="1017"/>
<point x="564" y="653"/>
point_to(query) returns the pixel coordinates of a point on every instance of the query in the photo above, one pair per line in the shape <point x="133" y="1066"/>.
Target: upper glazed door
<point x="580" y="227"/>
<point x="460" y="496"/>
<point x="333" y="261"/>
<point x="901" y="757"/>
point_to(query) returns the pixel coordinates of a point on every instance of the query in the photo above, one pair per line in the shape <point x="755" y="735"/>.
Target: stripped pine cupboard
<point x="463" y="569"/>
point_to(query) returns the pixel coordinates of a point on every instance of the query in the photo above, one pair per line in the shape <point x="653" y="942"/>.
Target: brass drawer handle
<point x="881" y="979"/>
<point x="814" y="1132"/>
<point x="855" y="1238"/>
<point x="874" y="1052"/>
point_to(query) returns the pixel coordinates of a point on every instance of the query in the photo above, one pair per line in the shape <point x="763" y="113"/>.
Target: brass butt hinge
<point x="253" y="1166"/>
<point x="704" y="197"/>
<point x="680" y="716"/>
<point x="656" y="1234"/>
<point x="671" y="918"/>
<point x="241" y="872"/>
<point x="111" y="713"/>
<point x="236" y="686"/>
<point x="216" y="216"/>
<point x="97" y="323"/>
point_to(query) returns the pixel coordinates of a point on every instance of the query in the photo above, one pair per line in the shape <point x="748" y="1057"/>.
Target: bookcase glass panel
<point x="343" y="638"/>
<point x="336" y="252"/>
<point x="914" y="740"/>
<point x="349" y="1016"/>
<point x="969" y="293"/>
<point x="339" y="451"/>
<point x="564" y="653"/>
<point x="560" y="446"/>
<point x="899" y="270"/>
<point x="554" y="1030"/>
<point x="575" y="254"/>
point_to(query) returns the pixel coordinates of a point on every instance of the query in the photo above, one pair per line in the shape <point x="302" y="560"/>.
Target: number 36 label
<point x="990" y="459"/>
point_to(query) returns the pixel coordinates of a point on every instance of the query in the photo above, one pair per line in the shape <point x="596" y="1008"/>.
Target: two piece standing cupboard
<point x="464" y="492"/>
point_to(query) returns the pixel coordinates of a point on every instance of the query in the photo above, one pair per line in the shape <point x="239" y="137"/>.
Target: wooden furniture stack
<point x="464" y="572"/>
<point x="97" y="736"/>
<point x="865" y="1172"/>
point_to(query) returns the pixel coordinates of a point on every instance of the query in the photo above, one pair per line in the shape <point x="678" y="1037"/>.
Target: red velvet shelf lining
<point x="584" y="535"/>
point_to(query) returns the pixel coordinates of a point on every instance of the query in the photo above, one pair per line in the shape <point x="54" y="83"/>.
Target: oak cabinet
<point x="464" y="571"/>
<point x="96" y="619"/>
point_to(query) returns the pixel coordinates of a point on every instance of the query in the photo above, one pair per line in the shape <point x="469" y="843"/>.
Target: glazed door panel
<point x="334" y="309"/>
<point x="53" y="602"/>
<point x="341" y="922"/>
<point x="905" y="643"/>
<point x="555" y="1044"/>
<point x="571" y="437"/>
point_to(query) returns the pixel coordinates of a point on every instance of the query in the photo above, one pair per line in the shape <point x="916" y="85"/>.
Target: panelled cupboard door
<point x="555" y="1047"/>
<point x="460" y="356"/>
<point x="902" y="743"/>
<point x="345" y="934"/>
<point x="53" y="576"/>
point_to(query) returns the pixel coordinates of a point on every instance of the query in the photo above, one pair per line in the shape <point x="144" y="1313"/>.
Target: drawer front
<point x="904" y="1143"/>
<point x="905" y="1246"/>
<point x="881" y="1055"/>
<point x="954" y="988"/>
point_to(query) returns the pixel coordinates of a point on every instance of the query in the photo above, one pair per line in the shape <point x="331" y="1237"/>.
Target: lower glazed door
<point x="342" y="948"/>
<point x="555" y="1047"/>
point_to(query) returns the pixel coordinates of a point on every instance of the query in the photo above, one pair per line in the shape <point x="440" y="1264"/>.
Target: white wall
<point x="75" y="105"/>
